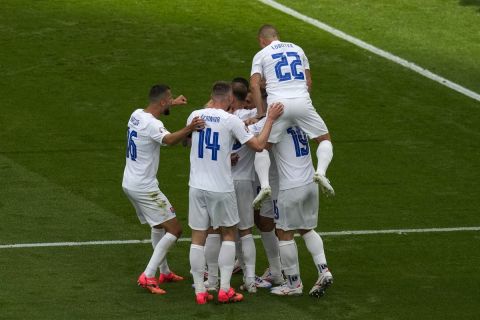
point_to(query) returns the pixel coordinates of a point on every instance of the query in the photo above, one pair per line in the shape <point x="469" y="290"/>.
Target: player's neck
<point x="215" y="105"/>
<point x="154" y="111"/>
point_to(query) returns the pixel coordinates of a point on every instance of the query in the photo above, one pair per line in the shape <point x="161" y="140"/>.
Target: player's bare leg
<point x="226" y="261"/>
<point x="262" y="166"/>
<point x="314" y="244"/>
<point x="197" y="265"/>
<point x="289" y="258"/>
<point x="173" y="232"/>
<point x="324" y="156"/>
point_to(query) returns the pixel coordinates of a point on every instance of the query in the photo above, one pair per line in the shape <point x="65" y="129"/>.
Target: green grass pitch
<point x="406" y="153"/>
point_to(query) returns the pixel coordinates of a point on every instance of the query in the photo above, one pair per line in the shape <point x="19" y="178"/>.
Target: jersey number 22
<point x="283" y="62"/>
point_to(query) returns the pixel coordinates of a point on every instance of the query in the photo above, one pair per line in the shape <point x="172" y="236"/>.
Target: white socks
<point x="212" y="250"/>
<point x="289" y="256"/>
<point x="262" y="167"/>
<point x="324" y="156"/>
<point x="314" y="245"/>
<point x="226" y="260"/>
<point x="159" y="254"/>
<point x="270" y="243"/>
<point x="249" y="256"/>
<point x="157" y="234"/>
<point x="197" y="266"/>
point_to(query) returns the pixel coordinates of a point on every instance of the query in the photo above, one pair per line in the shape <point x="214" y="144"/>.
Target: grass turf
<point x="405" y="156"/>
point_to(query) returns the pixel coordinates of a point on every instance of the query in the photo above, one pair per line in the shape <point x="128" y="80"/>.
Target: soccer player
<point x="144" y="136"/>
<point x="298" y="211"/>
<point x="212" y="200"/>
<point x="286" y="70"/>
<point x="243" y="176"/>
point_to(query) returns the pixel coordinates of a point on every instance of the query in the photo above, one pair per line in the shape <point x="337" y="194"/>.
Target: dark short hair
<point x="157" y="92"/>
<point x="268" y="31"/>
<point x="239" y="90"/>
<point x="220" y="90"/>
<point x="242" y="80"/>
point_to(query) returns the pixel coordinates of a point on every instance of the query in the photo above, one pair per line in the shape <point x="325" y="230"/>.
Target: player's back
<point x="282" y="65"/>
<point x="294" y="162"/>
<point x="210" y="164"/>
<point x="144" y="136"/>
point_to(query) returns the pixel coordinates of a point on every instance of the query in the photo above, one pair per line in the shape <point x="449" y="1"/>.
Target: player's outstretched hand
<point x="179" y="100"/>
<point x="275" y="110"/>
<point x="197" y="124"/>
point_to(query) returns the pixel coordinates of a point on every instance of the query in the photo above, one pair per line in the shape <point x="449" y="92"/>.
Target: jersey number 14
<point x="209" y="140"/>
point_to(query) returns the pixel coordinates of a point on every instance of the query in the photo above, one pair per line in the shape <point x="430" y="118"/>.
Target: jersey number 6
<point x="293" y="66"/>
<point x="131" y="147"/>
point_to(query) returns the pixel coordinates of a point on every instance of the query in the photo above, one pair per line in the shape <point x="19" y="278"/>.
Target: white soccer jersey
<point x="282" y="65"/>
<point x="244" y="169"/>
<point x="294" y="162"/>
<point x="144" y="136"/>
<point x="210" y="164"/>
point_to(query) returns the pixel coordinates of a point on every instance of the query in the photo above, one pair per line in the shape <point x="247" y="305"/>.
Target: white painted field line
<point x="373" y="49"/>
<point x="327" y="234"/>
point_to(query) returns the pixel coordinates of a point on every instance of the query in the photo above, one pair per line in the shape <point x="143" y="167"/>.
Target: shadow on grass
<point x="470" y="3"/>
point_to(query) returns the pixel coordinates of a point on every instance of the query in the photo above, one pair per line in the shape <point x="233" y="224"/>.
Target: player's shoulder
<point x="138" y="118"/>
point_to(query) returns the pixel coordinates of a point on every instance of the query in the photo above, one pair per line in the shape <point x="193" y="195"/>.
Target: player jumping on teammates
<point x="144" y="136"/>
<point x="286" y="70"/>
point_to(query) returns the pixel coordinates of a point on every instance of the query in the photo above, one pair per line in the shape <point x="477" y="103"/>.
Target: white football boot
<point x="285" y="290"/>
<point x="324" y="281"/>
<point x="324" y="183"/>
<point x="262" y="195"/>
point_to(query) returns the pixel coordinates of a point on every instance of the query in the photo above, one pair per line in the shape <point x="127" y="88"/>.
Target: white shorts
<point x="152" y="207"/>
<point x="298" y="208"/>
<point x="207" y="208"/>
<point x="245" y="196"/>
<point x="300" y="112"/>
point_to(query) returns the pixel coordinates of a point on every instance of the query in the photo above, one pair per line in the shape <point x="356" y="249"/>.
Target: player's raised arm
<point x="197" y="123"/>
<point x="259" y="142"/>
<point x="180" y="100"/>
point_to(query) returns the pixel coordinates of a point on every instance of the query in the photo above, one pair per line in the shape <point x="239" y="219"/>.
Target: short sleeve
<point x="239" y="130"/>
<point x="257" y="64"/>
<point x="157" y="131"/>
<point x="257" y="127"/>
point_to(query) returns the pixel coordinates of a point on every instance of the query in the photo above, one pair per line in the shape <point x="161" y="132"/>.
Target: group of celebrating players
<point x="237" y="150"/>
